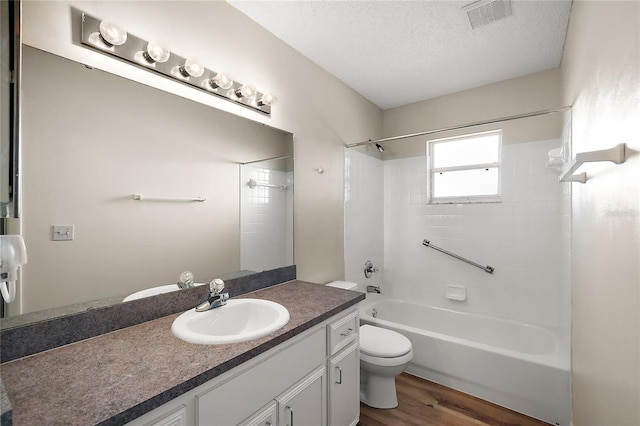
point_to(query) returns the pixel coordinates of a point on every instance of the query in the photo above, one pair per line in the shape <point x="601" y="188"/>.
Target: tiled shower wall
<point x="526" y="237"/>
<point x="364" y="217"/>
<point x="266" y="220"/>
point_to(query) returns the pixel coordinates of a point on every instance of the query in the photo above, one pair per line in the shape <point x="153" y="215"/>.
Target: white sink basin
<point x="239" y="320"/>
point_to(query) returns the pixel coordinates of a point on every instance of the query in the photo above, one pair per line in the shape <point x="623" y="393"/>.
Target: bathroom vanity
<point x="305" y="373"/>
<point x="312" y="379"/>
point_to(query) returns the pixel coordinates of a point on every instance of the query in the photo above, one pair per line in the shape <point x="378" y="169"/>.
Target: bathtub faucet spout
<point x="373" y="289"/>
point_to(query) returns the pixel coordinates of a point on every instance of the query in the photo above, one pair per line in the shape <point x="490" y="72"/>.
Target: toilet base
<point x="378" y="391"/>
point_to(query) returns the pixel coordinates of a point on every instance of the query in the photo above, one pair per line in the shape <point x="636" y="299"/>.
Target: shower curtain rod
<point x="461" y="126"/>
<point x="281" y="157"/>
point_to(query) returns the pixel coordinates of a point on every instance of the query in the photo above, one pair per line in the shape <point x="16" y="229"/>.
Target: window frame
<point x="465" y="199"/>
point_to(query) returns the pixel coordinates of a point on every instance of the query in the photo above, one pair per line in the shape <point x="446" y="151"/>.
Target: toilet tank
<point x="346" y="285"/>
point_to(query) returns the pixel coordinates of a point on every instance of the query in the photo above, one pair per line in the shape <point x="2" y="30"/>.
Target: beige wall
<point x="601" y="78"/>
<point x="321" y="111"/>
<point x="530" y="93"/>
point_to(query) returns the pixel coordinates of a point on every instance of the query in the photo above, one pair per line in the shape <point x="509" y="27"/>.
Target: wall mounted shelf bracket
<point x="615" y="155"/>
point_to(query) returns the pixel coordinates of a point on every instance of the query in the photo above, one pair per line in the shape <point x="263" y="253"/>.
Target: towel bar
<point x="140" y="197"/>
<point x="615" y="155"/>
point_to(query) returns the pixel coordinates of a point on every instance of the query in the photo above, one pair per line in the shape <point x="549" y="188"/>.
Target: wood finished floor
<point x="424" y="403"/>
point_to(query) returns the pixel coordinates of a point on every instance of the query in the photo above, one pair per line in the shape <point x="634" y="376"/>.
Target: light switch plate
<point x="62" y="233"/>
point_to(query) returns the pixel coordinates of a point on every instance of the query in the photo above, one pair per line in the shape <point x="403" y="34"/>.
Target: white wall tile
<point x="364" y="217"/>
<point x="523" y="237"/>
<point x="266" y="219"/>
<point x="526" y="237"/>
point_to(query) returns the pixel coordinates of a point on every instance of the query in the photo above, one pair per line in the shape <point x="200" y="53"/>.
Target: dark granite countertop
<point x="116" y="377"/>
<point x="5" y="406"/>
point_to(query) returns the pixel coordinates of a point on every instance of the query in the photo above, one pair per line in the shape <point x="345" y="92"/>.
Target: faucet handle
<point x="186" y="280"/>
<point x="216" y="286"/>
<point x="369" y="269"/>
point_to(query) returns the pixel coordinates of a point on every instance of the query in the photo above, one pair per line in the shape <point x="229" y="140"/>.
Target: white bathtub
<point x="515" y="365"/>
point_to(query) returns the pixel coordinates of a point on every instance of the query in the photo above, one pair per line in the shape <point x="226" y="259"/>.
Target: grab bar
<point x="487" y="269"/>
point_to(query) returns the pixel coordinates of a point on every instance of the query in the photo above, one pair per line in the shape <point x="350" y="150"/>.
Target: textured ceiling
<point x="399" y="52"/>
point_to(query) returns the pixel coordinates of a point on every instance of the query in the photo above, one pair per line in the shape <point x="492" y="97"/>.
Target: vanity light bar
<point x="112" y="40"/>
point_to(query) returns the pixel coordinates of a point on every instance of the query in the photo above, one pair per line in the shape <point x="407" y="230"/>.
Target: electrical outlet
<point x="62" y="233"/>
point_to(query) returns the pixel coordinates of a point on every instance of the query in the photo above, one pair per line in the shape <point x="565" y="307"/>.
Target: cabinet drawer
<point x="342" y="332"/>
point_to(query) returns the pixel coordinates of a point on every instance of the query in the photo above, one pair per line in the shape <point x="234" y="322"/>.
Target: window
<point x="465" y="169"/>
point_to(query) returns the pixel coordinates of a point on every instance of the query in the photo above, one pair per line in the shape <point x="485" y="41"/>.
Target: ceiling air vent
<point x="484" y="12"/>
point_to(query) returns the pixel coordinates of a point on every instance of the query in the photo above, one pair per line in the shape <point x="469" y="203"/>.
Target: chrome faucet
<point x="216" y="299"/>
<point x="369" y="269"/>
<point x="186" y="280"/>
<point x="373" y="289"/>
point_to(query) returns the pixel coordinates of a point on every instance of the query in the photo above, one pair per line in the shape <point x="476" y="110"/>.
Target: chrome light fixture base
<point x="132" y="51"/>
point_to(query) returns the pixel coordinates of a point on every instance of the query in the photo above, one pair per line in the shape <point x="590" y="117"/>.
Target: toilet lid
<point x="383" y="343"/>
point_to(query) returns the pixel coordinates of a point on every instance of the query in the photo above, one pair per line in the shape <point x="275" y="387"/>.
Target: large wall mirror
<point x="90" y="140"/>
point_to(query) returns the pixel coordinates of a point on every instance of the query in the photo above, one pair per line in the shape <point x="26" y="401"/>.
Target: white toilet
<point x="383" y="355"/>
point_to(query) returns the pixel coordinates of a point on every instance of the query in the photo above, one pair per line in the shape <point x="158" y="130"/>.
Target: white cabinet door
<point x="266" y="416"/>
<point x="178" y="418"/>
<point x="236" y="399"/>
<point x="344" y="387"/>
<point x="304" y="404"/>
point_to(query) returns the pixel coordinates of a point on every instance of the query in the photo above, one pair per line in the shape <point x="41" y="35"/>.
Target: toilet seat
<point x="377" y="342"/>
<point x="387" y="362"/>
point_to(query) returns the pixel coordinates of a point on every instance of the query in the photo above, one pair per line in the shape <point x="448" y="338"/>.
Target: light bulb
<point x="267" y="99"/>
<point x="222" y="81"/>
<point x="192" y="68"/>
<point x="156" y="52"/>
<point x="246" y="91"/>
<point x="112" y="34"/>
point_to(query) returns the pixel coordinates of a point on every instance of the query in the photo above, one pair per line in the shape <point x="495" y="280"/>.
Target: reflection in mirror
<point x="266" y="214"/>
<point x="89" y="141"/>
